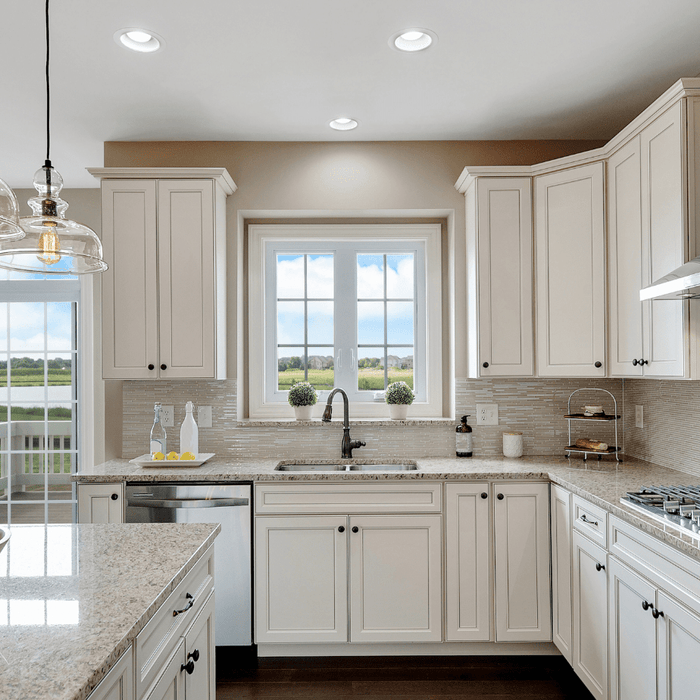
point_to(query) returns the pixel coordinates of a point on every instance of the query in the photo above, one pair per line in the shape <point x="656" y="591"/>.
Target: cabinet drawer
<point x="348" y="498"/>
<point x="591" y="520"/>
<point x="661" y="563"/>
<point x="158" y="639"/>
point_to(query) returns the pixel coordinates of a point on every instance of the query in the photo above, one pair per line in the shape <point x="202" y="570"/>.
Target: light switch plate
<point x="487" y="414"/>
<point x="167" y="416"/>
<point x="639" y="416"/>
<point x="204" y="416"/>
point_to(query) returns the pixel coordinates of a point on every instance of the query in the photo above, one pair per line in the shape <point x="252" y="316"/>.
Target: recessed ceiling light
<point x="412" y="40"/>
<point x="343" y="124"/>
<point x="138" y="40"/>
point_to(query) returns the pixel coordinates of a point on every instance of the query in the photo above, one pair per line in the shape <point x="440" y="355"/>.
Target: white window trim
<point x="260" y="235"/>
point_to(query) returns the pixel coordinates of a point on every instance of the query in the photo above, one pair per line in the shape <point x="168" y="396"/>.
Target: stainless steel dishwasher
<point x="229" y="505"/>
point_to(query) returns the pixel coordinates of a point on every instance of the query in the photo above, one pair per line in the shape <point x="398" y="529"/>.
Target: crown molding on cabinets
<point x="220" y="175"/>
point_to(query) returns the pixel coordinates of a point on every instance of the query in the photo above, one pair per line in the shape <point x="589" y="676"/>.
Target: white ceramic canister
<point x="512" y="444"/>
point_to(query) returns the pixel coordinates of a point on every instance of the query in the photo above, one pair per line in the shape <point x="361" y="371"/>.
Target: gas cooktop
<point x="675" y="506"/>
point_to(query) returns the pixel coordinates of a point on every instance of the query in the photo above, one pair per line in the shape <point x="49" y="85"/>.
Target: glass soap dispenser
<point x="463" y="438"/>
<point x="158" y="436"/>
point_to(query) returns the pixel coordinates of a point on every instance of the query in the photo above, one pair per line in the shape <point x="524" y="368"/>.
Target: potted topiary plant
<point x="399" y="396"/>
<point x="303" y="397"/>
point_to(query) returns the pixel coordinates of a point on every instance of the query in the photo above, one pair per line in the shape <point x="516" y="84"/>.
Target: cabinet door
<point x="187" y="278"/>
<point x="632" y="635"/>
<point x="590" y="616"/>
<point x="395" y="578"/>
<point x="101" y="503"/>
<point x="560" y="506"/>
<point x="625" y="260"/>
<point x="570" y="272"/>
<point x="199" y="648"/>
<point x="118" y="684"/>
<point x="468" y="565"/>
<point x="129" y="286"/>
<point x="521" y="532"/>
<point x="664" y="236"/>
<point x="301" y="579"/>
<point x="171" y="683"/>
<point x="679" y="650"/>
<point x="505" y="277"/>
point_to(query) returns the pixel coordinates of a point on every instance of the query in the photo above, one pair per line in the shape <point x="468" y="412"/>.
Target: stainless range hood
<point x="682" y="283"/>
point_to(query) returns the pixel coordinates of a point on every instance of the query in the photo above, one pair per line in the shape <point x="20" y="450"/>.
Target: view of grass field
<point x="34" y="376"/>
<point x="367" y="379"/>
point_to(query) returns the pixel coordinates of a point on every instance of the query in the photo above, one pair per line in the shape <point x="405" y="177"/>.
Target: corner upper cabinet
<point x="570" y="272"/>
<point x="164" y="295"/>
<point x="648" y="238"/>
<point x="499" y="275"/>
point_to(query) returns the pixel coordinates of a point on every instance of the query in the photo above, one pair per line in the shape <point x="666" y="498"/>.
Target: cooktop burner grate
<point x="675" y="506"/>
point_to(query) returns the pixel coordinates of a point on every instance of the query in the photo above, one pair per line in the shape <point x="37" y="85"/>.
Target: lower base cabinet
<point x="118" y="684"/>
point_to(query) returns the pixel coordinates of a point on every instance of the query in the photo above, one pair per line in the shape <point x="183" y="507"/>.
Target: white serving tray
<point x="147" y="461"/>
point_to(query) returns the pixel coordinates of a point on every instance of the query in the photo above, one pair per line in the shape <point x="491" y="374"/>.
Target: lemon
<point x="158" y="456"/>
<point x="188" y="456"/>
<point x="172" y="455"/>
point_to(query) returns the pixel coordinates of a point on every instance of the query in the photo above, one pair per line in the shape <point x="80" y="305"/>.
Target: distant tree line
<point x="30" y="363"/>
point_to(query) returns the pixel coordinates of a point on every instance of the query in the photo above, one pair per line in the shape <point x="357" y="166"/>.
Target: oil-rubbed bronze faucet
<point x="348" y="445"/>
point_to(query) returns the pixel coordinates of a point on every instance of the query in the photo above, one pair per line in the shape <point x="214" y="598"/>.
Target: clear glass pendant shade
<point x="10" y="229"/>
<point x="52" y="244"/>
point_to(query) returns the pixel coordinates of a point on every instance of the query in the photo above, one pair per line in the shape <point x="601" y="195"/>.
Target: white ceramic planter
<point x="303" y="412"/>
<point x="512" y="444"/>
<point x="398" y="411"/>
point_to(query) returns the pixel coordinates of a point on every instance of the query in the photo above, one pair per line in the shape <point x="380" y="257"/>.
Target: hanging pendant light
<point x="51" y="244"/>
<point x="10" y="229"/>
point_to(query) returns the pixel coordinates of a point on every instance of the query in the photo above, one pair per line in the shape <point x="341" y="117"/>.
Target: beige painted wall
<point x="396" y="175"/>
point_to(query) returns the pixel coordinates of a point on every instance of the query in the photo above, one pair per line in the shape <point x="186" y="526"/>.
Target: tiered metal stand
<point x="613" y="449"/>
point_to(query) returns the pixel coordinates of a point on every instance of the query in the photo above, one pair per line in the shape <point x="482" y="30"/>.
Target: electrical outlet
<point x="204" y="416"/>
<point x="487" y="414"/>
<point x="167" y="416"/>
<point x="639" y="416"/>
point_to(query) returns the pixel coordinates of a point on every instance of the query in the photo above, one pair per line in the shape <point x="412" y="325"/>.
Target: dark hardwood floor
<point x="402" y="678"/>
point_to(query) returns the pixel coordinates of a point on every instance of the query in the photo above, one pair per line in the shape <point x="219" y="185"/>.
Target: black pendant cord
<point x="47" y="164"/>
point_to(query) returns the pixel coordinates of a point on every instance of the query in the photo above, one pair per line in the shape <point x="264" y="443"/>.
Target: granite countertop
<point x="73" y="597"/>
<point x="602" y="482"/>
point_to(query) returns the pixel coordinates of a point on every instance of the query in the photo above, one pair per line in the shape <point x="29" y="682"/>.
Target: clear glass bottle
<point x="189" y="433"/>
<point x="463" y="438"/>
<point x="158" y="437"/>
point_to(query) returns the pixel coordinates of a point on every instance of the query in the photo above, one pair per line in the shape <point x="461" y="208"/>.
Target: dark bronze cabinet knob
<point x="341" y="528"/>
<point x="356" y="529"/>
<point x="635" y="363"/>
<point x="500" y="497"/>
<point x="194" y="655"/>
<point x="151" y="366"/>
<point x="645" y="605"/>
<point x="485" y="365"/>
<point x="656" y="614"/>
<point x="599" y="567"/>
<point x="484" y="494"/>
<point x="643" y="362"/>
<point x="598" y="364"/>
<point x="164" y="366"/>
<point x="115" y="496"/>
<point x="189" y="667"/>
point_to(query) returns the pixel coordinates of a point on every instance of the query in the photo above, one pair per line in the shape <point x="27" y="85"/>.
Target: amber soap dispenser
<point x="463" y="438"/>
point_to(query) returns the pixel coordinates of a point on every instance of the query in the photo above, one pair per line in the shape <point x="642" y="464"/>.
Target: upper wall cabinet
<point x="647" y="238"/>
<point x="164" y="295"/>
<point x="499" y="277"/>
<point x="570" y="272"/>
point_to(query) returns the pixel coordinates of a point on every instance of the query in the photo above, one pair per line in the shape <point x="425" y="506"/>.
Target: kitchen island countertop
<point x="602" y="482"/>
<point x="74" y="597"/>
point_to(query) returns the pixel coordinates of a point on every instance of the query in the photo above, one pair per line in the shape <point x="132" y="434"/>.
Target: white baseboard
<point x="420" y="649"/>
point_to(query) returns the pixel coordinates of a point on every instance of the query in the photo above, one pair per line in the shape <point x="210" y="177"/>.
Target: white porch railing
<point x="26" y="441"/>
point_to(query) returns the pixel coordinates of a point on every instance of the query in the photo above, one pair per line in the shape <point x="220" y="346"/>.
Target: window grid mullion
<point x="386" y="352"/>
<point x="306" y="320"/>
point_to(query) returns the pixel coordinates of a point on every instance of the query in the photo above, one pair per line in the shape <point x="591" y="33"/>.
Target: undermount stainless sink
<point x="403" y="467"/>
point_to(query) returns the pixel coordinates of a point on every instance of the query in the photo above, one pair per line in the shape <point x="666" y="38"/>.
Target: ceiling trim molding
<point x="220" y="175"/>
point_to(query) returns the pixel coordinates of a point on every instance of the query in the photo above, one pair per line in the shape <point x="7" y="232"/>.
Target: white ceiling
<point x="279" y="70"/>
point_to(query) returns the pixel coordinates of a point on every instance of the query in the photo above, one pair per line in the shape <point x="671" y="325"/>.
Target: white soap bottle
<point x="189" y="433"/>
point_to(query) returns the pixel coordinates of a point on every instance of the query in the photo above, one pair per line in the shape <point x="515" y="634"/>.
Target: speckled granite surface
<point x="602" y="482"/>
<point x="73" y="597"/>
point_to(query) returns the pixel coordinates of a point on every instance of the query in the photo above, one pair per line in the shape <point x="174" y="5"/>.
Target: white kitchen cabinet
<point x="301" y="584"/>
<point x="118" y="684"/>
<point x="200" y="684"/>
<point x="101" y="503"/>
<point x="570" y="272"/>
<point x="468" y="586"/>
<point x="171" y="683"/>
<point x="647" y="238"/>
<point x="521" y="540"/>
<point x="560" y="510"/>
<point x="499" y="277"/>
<point x="590" y="642"/>
<point x="395" y="578"/>
<point x="164" y="294"/>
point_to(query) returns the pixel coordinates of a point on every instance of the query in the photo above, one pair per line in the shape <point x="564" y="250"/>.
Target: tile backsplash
<point x="533" y="406"/>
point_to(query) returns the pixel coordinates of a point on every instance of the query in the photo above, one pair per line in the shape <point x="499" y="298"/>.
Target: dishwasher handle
<point x="187" y="502"/>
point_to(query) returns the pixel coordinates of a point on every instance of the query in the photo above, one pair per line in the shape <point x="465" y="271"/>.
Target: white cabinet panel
<point x="171" y="683"/>
<point x="395" y="578"/>
<point x="468" y="566"/>
<point x="521" y="534"/>
<point x="301" y="579"/>
<point x="200" y="649"/>
<point x="101" y="503"/>
<point x="590" y="616"/>
<point x="560" y="509"/>
<point x="118" y="684"/>
<point x="570" y="272"/>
